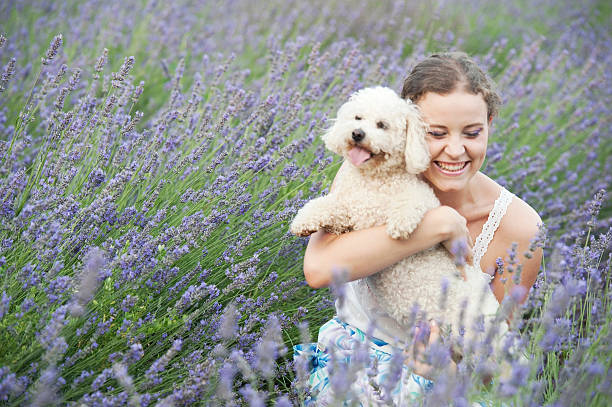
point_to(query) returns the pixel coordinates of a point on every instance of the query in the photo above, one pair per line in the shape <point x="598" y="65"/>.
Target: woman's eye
<point x="473" y="133"/>
<point x="357" y="117"/>
<point x="435" y="134"/>
<point x="382" y="125"/>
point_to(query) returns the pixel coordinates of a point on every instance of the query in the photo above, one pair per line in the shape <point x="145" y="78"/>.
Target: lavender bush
<point x="153" y="153"/>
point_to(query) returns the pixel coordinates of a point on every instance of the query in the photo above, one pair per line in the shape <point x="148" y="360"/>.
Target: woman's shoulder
<point x="520" y="218"/>
<point x="520" y="223"/>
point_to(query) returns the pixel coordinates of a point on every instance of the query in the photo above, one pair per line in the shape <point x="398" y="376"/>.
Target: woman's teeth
<point x="451" y="167"/>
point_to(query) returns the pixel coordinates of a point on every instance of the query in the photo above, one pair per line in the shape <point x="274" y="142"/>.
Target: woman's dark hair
<point x="443" y="73"/>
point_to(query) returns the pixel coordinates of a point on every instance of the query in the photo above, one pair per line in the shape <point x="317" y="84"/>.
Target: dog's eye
<point x="357" y="117"/>
<point x="382" y="125"/>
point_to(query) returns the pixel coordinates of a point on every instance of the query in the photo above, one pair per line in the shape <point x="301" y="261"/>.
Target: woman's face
<point x="457" y="137"/>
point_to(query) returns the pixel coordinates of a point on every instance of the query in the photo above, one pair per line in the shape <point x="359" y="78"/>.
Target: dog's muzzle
<point x="358" y="135"/>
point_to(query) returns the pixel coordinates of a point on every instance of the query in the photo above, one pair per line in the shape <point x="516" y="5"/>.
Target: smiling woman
<point x="457" y="103"/>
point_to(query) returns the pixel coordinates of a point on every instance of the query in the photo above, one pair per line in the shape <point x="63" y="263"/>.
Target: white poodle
<point x="383" y="138"/>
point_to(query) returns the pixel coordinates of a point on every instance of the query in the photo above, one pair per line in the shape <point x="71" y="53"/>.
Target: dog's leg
<point x="406" y="212"/>
<point x="325" y="213"/>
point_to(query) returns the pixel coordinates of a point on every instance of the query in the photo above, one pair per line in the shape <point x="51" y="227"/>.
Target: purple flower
<point x="269" y="348"/>
<point x="225" y="388"/>
<point x="134" y="354"/>
<point x="518" y="379"/>
<point x="10" y="384"/>
<point x="121" y="374"/>
<point x="152" y="373"/>
<point x="228" y="323"/>
<point x="47" y="388"/>
<point x="93" y="262"/>
<point x="4" y="304"/>
<point x="459" y="250"/>
<point x="128" y="302"/>
<point x="101" y="378"/>
<point x="253" y="397"/>
<point x="7" y="74"/>
<point x="339" y="277"/>
<point x="53" y="48"/>
<point x="57" y="287"/>
<point x="282" y="401"/>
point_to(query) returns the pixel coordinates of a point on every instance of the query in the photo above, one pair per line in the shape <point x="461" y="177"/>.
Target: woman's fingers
<point x="414" y="360"/>
<point x="414" y="352"/>
<point x="459" y="242"/>
<point x="426" y="334"/>
<point x="434" y="332"/>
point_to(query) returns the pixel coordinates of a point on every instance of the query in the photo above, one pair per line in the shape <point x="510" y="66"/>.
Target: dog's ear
<point x="328" y="135"/>
<point x="331" y="138"/>
<point x="416" y="153"/>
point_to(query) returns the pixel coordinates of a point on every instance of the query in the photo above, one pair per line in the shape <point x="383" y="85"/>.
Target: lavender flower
<point x="339" y="277"/>
<point x="120" y="76"/>
<point x="53" y="48"/>
<point x="4" y="304"/>
<point x="100" y="64"/>
<point x="94" y="261"/>
<point x="10" y="385"/>
<point x="269" y="348"/>
<point x="46" y="388"/>
<point x="121" y="374"/>
<point x="459" y="251"/>
<point x="518" y="379"/>
<point x="9" y="71"/>
<point x="253" y="397"/>
<point x="225" y="388"/>
<point x="228" y="324"/>
<point x="160" y="364"/>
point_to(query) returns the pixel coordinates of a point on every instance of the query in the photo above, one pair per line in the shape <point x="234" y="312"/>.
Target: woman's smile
<point x="452" y="169"/>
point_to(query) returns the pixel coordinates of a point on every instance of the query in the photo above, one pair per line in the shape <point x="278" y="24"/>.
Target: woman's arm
<point x="365" y="252"/>
<point x="520" y="225"/>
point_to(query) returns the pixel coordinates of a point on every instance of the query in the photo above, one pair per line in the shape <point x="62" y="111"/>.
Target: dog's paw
<point x="399" y="230"/>
<point x="303" y="228"/>
<point x="337" y="229"/>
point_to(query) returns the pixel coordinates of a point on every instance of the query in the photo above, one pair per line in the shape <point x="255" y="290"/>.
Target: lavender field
<point x="152" y="155"/>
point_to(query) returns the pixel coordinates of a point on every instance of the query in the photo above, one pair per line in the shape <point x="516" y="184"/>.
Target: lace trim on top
<point x="491" y="225"/>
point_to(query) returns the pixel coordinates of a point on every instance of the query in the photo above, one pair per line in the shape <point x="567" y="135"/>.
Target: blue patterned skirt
<point x="347" y="367"/>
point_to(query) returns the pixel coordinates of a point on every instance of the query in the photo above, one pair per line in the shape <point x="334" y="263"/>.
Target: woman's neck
<point x="479" y="193"/>
<point x="457" y="199"/>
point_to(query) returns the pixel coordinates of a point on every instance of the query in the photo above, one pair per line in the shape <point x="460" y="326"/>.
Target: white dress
<point x="356" y="314"/>
<point x="360" y="310"/>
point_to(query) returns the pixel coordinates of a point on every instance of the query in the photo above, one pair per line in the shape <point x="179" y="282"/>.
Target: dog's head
<point x="377" y="129"/>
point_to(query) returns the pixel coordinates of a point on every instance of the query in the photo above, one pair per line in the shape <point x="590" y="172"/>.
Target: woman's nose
<point x="455" y="147"/>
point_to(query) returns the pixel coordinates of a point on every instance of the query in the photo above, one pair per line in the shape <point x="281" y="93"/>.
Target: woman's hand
<point x="456" y="233"/>
<point x="415" y="354"/>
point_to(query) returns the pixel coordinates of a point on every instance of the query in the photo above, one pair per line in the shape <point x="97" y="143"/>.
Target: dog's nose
<point x="358" y="135"/>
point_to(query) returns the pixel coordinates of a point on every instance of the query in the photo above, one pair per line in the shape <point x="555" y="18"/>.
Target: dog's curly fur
<point x="385" y="190"/>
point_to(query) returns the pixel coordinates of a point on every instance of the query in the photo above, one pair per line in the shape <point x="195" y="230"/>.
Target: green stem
<point x="20" y="118"/>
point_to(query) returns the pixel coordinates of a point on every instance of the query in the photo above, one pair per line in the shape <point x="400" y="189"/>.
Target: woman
<point x="458" y="104"/>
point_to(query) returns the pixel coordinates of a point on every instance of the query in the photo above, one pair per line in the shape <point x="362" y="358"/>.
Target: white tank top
<point x="358" y="311"/>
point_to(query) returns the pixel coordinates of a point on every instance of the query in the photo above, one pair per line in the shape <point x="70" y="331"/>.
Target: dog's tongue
<point x="358" y="155"/>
